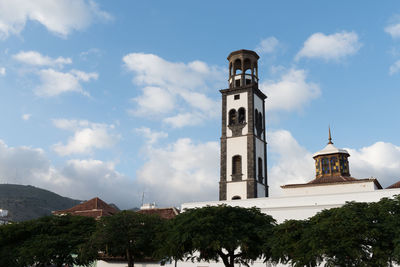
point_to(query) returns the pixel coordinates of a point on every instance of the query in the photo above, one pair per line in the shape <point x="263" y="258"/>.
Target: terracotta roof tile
<point x="395" y="185"/>
<point x="165" y="213"/>
<point x="91" y="208"/>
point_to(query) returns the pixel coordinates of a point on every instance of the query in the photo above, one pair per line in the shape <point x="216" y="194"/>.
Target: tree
<point x="48" y="240"/>
<point x="292" y="243"/>
<point x="57" y="240"/>
<point x="129" y="234"/>
<point x="233" y="234"/>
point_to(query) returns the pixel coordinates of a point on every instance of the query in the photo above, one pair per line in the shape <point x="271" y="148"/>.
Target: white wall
<point x="300" y="207"/>
<point x="236" y="189"/>
<point x="330" y="189"/>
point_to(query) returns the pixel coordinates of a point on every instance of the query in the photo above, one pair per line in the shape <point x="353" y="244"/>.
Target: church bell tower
<point x="243" y="143"/>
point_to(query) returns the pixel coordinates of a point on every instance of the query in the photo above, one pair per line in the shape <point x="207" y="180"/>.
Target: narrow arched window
<point x="242" y="115"/>
<point x="232" y="117"/>
<point x="260" y="170"/>
<point x="256" y="118"/>
<point x="325" y="165"/>
<point x="236" y="165"/>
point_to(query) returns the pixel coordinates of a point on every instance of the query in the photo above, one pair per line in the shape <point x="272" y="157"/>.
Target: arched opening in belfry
<point x="232" y="117"/>
<point x="242" y="115"/>
<point x="247" y="71"/>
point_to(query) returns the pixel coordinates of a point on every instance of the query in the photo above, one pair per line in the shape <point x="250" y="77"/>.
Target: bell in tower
<point x="243" y="144"/>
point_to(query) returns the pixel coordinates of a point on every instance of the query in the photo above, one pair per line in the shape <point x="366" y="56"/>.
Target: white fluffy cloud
<point x="2" y="71"/>
<point x="267" y="46"/>
<point x="167" y="85"/>
<point x="55" y="82"/>
<point x="36" y="59"/>
<point x="380" y="160"/>
<point x="60" y="17"/>
<point x="79" y="179"/>
<point x="87" y="136"/>
<point x="292" y="91"/>
<point x="393" y="30"/>
<point x="293" y="163"/>
<point x="153" y="100"/>
<point x="331" y="47"/>
<point x="394" y="68"/>
<point x="181" y="172"/>
<point x="151" y="136"/>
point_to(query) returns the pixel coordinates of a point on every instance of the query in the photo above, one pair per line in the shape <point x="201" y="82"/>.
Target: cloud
<point x="291" y="92"/>
<point x="292" y="163"/>
<point x="37" y="59"/>
<point x="153" y="100"/>
<point x="333" y="47"/>
<point x="87" y="136"/>
<point x="181" y="172"/>
<point x="26" y="117"/>
<point x="267" y="46"/>
<point x="394" y="68"/>
<point x="61" y="17"/>
<point x="2" y="71"/>
<point x="173" y="87"/>
<point x="184" y="119"/>
<point x="393" y="30"/>
<point x="151" y="136"/>
<point x="380" y="160"/>
<point x="54" y="82"/>
<point x="79" y="179"/>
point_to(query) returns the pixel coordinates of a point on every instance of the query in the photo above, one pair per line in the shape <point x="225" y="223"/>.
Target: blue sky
<point x="117" y="98"/>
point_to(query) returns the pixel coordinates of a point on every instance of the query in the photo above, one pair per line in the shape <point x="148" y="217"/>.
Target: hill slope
<point x="26" y="202"/>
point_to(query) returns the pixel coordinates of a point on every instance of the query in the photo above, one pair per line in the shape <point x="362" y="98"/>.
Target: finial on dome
<point x="330" y="137"/>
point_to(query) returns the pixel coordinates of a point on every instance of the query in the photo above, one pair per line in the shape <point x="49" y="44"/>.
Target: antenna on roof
<point x="330" y="137"/>
<point x="142" y="198"/>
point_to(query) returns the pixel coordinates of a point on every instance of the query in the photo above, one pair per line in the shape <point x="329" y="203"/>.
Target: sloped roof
<point x="395" y="185"/>
<point x="330" y="149"/>
<point x="92" y="208"/>
<point x="165" y="213"/>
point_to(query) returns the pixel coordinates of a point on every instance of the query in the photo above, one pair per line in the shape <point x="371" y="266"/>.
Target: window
<point x="242" y="115"/>
<point x="236" y="97"/>
<point x="236" y="165"/>
<point x="260" y="170"/>
<point x="232" y="117"/>
<point x="236" y="198"/>
<point x="334" y="166"/>
<point x="325" y="165"/>
<point x="237" y="83"/>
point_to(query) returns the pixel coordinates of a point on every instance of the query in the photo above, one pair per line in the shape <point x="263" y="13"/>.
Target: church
<point x="243" y="164"/>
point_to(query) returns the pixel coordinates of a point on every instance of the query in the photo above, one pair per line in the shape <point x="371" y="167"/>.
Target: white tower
<point x="243" y="144"/>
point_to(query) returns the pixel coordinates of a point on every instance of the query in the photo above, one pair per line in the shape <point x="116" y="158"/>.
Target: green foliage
<point x="48" y="240"/>
<point x="129" y="234"/>
<point x="234" y="234"/>
<point x="292" y="242"/>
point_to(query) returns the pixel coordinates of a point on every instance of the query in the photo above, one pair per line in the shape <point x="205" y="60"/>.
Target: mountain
<point x="26" y="202"/>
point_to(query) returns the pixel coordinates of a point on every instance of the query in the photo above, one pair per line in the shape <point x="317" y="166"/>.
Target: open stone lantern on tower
<point x="243" y="144"/>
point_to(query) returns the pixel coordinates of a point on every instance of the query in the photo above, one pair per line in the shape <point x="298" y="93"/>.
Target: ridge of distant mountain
<point x="26" y="202"/>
